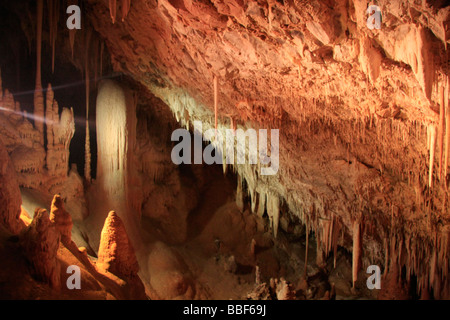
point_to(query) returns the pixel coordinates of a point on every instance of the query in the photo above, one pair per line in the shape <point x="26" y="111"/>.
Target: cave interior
<point x="118" y="117"/>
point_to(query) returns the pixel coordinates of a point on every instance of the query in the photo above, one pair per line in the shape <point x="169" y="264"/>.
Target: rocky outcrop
<point x="10" y="198"/>
<point x="40" y="242"/>
<point x="61" y="218"/>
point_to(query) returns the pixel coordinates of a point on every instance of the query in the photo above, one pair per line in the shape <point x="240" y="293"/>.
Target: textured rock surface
<point x="61" y="218"/>
<point x="40" y="242"/>
<point x="354" y="107"/>
<point x="363" y="117"/>
<point x="116" y="253"/>
<point x="34" y="165"/>
<point x="10" y="199"/>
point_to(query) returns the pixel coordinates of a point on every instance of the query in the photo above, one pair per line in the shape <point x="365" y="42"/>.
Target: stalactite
<point x="38" y="95"/>
<point x="125" y="8"/>
<point x="72" y="39"/>
<point x="307" y="247"/>
<point x="49" y="116"/>
<point x="215" y="103"/>
<point x="261" y="204"/>
<point x="233" y="124"/>
<point x="96" y="52"/>
<point x="447" y="126"/>
<point x="336" y="230"/>
<point x="432" y="151"/>
<point x="273" y="211"/>
<point x="441" y="129"/>
<point x="53" y="14"/>
<point x="356" y="251"/>
<point x="102" y="46"/>
<point x="253" y="200"/>
<point x="72" y="32"/>
<point x="87" y="163"/>
<point x="112" y="10"/>
<point x="240" y="195"/>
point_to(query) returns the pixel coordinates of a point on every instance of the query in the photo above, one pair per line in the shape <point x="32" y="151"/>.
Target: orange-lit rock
<point x="10" y="199"/>
<point x="364" y="138"/>
<point x="40" y="242"/>
<point x="61" y="218"/>
<point x="116" y="253"/>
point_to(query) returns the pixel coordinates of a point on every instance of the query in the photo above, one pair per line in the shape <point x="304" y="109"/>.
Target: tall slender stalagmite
<point x="87" y="150"/>
<point x="38" y="95"/>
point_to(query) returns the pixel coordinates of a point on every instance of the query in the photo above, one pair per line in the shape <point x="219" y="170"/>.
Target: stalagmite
<point x="356" y="251"/>
<point x="116" y="253"/>
<point x="41" y="242"/>
<point x="432" y="151"/>
<point x="62" y="219"/>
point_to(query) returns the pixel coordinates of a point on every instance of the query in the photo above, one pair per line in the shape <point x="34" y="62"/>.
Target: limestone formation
<point x="40" y="242"/>
<point x="10" y="198"/>
<point x="61" y="218"/>
<point x="116" y="139"/>
<point x="116" y="253"/>
<point x="284" y="290"/>
<point x="363" y="136"/>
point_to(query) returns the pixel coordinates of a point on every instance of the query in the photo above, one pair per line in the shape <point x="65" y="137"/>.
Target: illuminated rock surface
<point x="364" y="144"/>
